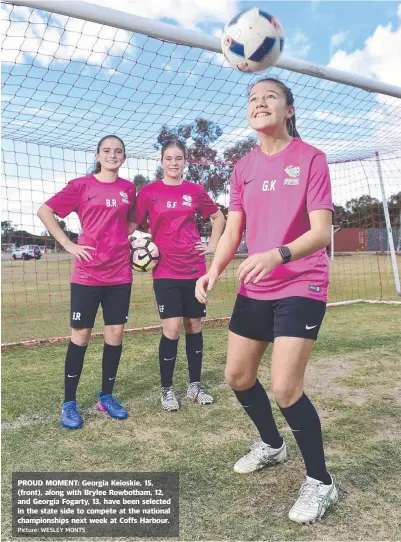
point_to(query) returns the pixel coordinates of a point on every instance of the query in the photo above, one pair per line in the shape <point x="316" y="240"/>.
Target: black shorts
<point x="176" y="297"/>
<point x="85" y="301"/>
<point x="288" y="317"/>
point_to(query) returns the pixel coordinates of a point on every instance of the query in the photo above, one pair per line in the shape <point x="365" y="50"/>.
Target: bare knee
<point x="286" y="394"/>
<point x="172" y="330"/>
<point x="81" y="337"/>
<point x="239" y="380"/>
<point x="113" y="335"/>
<point x="192" y="325"/>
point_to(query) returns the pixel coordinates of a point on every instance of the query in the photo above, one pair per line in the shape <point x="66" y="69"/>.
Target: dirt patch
<point x="215" y="439"/>
<point x="154" y="433"/>
<point x="322" y="377"/>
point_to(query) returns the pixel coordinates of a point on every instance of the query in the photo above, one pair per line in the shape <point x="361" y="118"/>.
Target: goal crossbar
<point x="191" y="38"/>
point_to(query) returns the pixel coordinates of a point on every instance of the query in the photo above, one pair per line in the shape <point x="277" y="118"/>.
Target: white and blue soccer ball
<point x="252" y="40"/>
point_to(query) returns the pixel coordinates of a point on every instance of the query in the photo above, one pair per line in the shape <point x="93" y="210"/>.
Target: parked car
<point x="27" y="252"/>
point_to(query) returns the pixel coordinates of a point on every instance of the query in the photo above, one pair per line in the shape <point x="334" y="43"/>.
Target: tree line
<point x="205" y="168"/>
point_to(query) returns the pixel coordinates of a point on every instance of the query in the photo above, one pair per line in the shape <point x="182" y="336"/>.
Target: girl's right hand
<point x="79" y="251"/>
<point x="204" y="285"/>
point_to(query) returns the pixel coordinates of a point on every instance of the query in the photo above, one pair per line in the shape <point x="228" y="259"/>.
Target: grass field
<point x="35" y="294"/>
<point x="353" y="379"/>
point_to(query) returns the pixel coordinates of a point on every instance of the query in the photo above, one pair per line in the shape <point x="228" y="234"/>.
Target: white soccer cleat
<point x="313" y="501"/>
<point x="168" y="399"/>
<point x="195" y="392"/>
<point x="261" y="455"/>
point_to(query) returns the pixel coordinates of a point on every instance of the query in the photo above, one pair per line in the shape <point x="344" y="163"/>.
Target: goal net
<point x="68" y="81"/>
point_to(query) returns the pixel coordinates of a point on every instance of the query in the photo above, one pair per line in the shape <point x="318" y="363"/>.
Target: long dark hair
<point x="289" y="100"/>
<point x="174" y="143"/>
<point x="97" y="168"/>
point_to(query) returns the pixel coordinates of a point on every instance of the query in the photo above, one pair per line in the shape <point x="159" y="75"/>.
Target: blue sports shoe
<point x="70" y="417"/>
<point x="107" y="403"/>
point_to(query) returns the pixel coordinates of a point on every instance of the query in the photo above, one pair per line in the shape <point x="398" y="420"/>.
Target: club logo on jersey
<point x="187" y="200"/>
<point x="124" y="197"/>
<point x="293" y="171"/>
<point x="293" y="175"/>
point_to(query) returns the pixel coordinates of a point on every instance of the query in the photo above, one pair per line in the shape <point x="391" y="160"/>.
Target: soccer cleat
<point x="107" y="403"/>
<point x="313" y="501"/>
<point x="168" y="399"/>
<point x="70" y="417"/>
<point x="261" y="455"/>
<point x="195" y="392"/>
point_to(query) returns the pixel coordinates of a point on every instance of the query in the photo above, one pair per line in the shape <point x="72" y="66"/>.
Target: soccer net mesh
<point x="67" y="82"/>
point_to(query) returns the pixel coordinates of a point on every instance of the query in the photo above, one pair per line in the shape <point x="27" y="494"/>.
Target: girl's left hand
<point x="254" y="268"/>
<point x="204" y="248"/>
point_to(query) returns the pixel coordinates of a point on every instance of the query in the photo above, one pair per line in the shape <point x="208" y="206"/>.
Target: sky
<point x="362" y="36"/>
<point x="66" y="83"/>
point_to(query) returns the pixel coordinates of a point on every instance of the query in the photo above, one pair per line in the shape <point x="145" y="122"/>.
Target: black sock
<point x="257" y="405"/>
<point x="305" y="425"/>
<point x="74" y="362"/>
<point x="167" y="356"/>
<point x="110" y="362"/>
<point x="194" y="347"/>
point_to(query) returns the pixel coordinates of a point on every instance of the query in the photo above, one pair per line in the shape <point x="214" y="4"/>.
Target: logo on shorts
<point x="76" y="315"/>
<point x="187" y="200"/>
<point x="124" y="197"/>
<point x="161" y="308"/>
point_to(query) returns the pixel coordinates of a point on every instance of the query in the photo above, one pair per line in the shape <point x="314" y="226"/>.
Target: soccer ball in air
<point x="144" y="255"/>
<point x="252" y="40"/>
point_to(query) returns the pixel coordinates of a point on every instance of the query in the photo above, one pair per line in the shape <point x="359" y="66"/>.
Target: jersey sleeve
<point x="141" y="207"/>
<point x="235" y="192"/>
<point x="66" y="201"/>
<point x="206" y="205"/>
<point x="319" y="186"/>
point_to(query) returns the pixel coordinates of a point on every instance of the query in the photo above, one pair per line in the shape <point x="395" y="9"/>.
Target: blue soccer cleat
<point x="70" y="417"/>
<point x="107" y="403"/>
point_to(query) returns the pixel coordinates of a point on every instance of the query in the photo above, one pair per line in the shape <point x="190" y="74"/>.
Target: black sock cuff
<point x="113" y="347"/>
<point x="298" y="403"/>
<point x="76" y="349"/>
<point x="167" y="340"/>
<point x="194" y="335"/>
<point x="246" y="396"/>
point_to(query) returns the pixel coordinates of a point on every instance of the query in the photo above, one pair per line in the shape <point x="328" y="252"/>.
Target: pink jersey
<point x="104" y="210"/>
<point x="276" y="193"/>
<point x="172" y="215"/>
